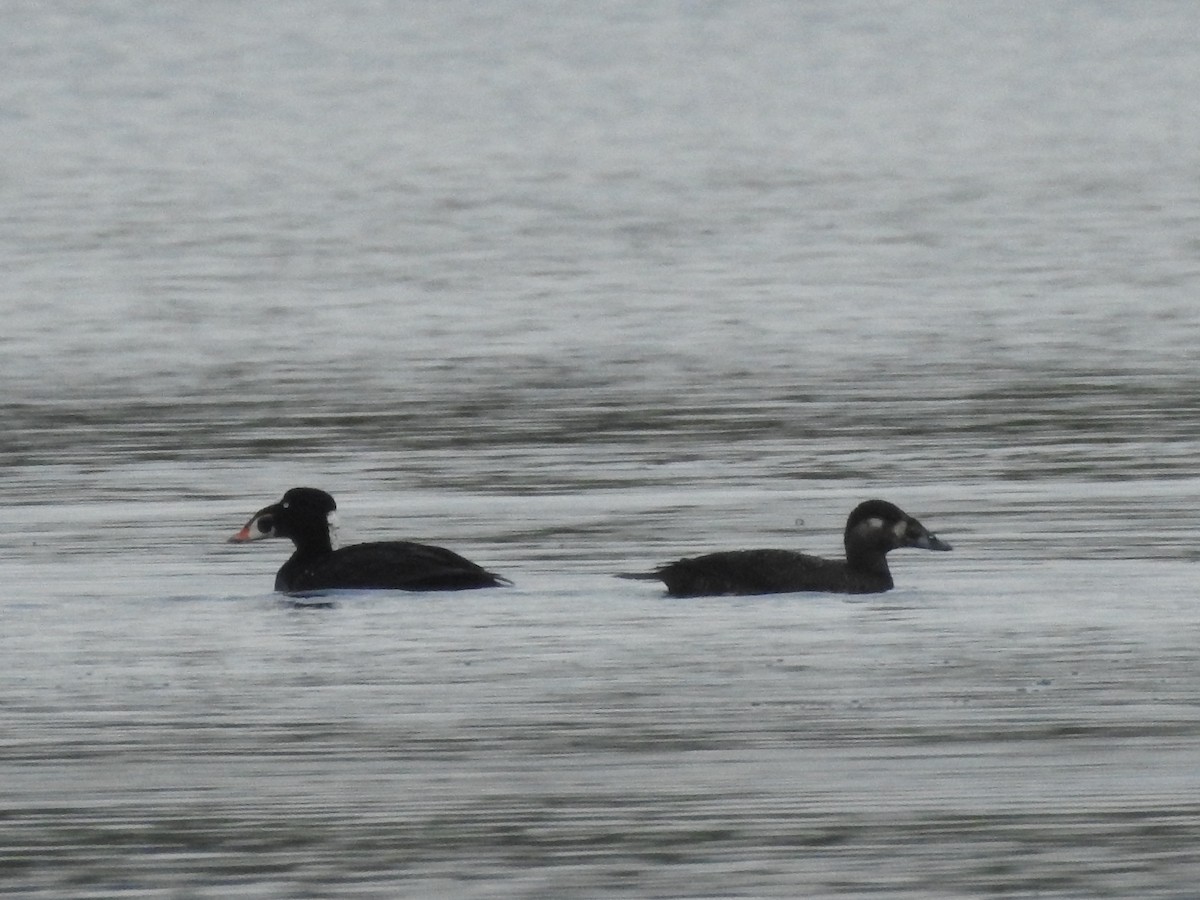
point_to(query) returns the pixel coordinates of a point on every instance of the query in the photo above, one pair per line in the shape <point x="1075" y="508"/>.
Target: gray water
<point x="573" y="291"/>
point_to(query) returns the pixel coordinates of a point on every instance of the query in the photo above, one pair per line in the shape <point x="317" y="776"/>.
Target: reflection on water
<point x="577" y="294"/>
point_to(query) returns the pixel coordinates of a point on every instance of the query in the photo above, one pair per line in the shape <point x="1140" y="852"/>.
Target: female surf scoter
<point x="306" y="515"/>
<point x="874" y="528"/>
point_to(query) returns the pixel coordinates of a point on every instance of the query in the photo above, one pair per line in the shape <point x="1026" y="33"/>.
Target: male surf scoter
<point x="306" y="515"/>
<point x="874" y="528"/>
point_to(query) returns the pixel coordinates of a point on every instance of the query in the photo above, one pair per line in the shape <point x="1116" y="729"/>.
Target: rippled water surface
<point x="577" y="291"/>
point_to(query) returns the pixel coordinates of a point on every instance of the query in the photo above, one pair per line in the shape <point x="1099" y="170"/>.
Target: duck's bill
<point x="243" y="536"/>
<point x="932" y="542"/>
<point x="261" y="525"/>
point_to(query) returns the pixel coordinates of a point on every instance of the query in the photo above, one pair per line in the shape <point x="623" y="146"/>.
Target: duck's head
<point x="883" y="526"/>
<point x="307" y="516"/>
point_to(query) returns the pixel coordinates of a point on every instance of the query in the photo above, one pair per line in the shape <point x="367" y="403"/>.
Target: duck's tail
<point x="640" y="576"/>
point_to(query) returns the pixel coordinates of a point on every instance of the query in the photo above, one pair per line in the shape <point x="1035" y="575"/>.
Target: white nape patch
<point x="900" y="529"/>
<point x="875" y="524"/>
<point x="334" y="525"/>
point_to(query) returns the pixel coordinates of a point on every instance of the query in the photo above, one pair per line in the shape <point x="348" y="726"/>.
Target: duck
<point x="308" y="517"/>
<point x="874" y="528"/>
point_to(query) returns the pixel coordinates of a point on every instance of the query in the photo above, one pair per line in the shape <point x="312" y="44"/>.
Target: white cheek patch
<point x="869" y="527"/>
<point x="334" y="524"/>
<point x="900" y="529"/>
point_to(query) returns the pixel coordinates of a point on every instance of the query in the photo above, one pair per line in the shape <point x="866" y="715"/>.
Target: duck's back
<point x="395" y="565"/>
<point x="766" y="572"/>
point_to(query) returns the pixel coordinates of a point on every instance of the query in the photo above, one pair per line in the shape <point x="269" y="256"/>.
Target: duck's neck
<point x="868" y="559"/>
<point x="312" y="542"/>
<point x="301" y="558"/>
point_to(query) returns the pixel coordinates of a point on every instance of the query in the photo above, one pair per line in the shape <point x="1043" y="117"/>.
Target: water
<point x="576" y="291"/>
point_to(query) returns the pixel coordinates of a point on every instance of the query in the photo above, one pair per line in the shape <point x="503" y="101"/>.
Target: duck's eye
<point x="266" y="524"/>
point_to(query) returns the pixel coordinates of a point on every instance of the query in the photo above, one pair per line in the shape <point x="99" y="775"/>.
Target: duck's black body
<point x="304" y="516"/>
<point x="874" y="528"/>
<point x="396" y="565"/>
